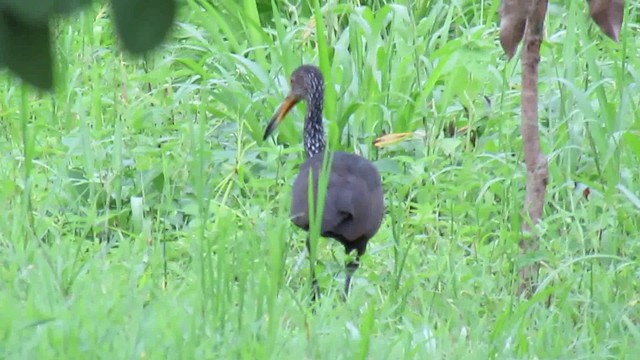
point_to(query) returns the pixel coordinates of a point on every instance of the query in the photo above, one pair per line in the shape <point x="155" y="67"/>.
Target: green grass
<point x="145" y="218"/>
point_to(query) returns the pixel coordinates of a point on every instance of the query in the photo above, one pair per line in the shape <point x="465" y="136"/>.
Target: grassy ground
<point x="145" y="217"/>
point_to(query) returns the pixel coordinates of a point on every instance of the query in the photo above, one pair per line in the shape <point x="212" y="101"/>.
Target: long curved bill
<point x="282" y="111"/>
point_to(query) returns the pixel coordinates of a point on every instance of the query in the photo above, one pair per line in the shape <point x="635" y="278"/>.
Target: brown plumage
<point x="354" y="203"/>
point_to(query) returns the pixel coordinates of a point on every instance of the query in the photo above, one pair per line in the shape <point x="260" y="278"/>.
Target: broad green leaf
<point x="390" y="166"/>
<point x="26" y="50"/>
<point x="143" y="24"/>
<point x="632" y="139"/>
<point x="449" y="145"/>
<point x="629" y="195"/>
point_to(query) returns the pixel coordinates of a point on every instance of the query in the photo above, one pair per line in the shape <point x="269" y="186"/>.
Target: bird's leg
<point x="350" y="268"/>
<point x="315" y="289"/>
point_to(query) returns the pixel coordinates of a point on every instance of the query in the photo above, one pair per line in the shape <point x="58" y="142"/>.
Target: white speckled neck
<point x="314" y="141"/>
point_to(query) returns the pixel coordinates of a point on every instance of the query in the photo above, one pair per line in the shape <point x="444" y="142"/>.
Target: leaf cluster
<point x="25" y="31"/>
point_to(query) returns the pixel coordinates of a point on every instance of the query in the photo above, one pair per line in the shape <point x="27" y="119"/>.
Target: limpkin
<point x="354" y="203"/>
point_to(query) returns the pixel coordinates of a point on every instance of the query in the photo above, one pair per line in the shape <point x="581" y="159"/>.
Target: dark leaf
<point x="608" y="14"/>
<point x="63" y="7"/>
<point x="26" y="50"/>
<point x="513" y="18"/>
<point x="39" y="11"/>
<point x="143" y="24"/>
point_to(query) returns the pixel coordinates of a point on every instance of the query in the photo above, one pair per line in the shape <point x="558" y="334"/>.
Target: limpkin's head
<point x="307" y="84"/>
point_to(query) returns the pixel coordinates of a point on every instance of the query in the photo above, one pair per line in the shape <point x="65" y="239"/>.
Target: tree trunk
<point x="535" y="160"/>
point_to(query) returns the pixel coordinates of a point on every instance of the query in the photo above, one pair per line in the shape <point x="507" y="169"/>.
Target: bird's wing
<point x="335" y="211"/>
<point x="349" y="202"/>
<point x="348" y="214"/>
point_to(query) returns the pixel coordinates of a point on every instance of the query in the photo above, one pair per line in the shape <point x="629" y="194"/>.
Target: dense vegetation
<point x="146" y="218"/>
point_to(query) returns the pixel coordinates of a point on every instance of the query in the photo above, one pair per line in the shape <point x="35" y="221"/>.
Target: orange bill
<point x="283" y="110"/>
<point x="389" y="139"/>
